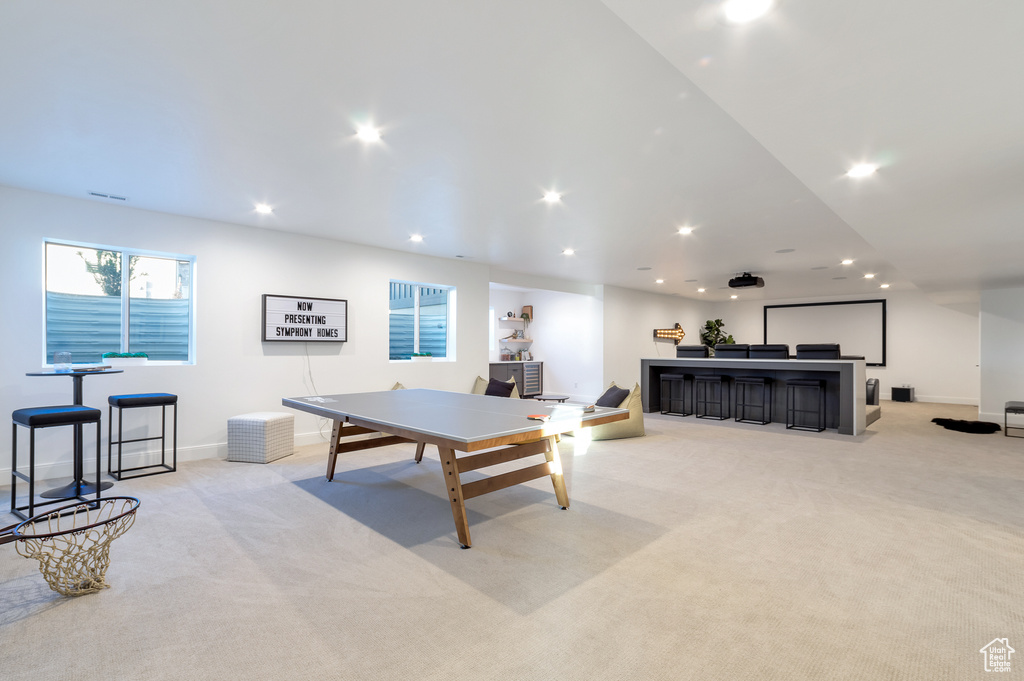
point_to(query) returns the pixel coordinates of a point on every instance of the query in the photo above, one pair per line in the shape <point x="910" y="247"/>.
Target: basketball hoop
<point x="72" y="543"/>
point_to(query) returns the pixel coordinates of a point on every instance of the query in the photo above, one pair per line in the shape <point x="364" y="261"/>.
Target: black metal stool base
<point x="793" y="414"/>
<point x="704" y="403"/>
<point x="744" y="384"/>
<point x="122" y="402"/>
<point x="669" y="400"/>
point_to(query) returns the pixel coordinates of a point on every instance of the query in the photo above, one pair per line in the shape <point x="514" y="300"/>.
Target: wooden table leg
<point x="453" y="486"/>
<point x="420" y="446"/>
<point x="332" y="456"/>
<point x="557" y="480"/>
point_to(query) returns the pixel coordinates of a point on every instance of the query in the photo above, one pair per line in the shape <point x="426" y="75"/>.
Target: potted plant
<point x="526" y="319"/>
<point x="123" y="359"/>
<point x="421" y="357"/>
<point x="712" y="334"/>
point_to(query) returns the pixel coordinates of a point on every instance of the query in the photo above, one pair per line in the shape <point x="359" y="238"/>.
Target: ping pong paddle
<point x="538" y="417"/>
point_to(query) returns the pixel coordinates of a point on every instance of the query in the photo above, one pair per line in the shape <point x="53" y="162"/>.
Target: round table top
<point x="73" y="372"/>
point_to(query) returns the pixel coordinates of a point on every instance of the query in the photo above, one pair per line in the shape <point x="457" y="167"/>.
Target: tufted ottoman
<point x="261" y="437"/>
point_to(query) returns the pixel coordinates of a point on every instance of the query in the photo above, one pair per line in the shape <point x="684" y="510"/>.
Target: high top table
<point x="499" y="428"/>
<point x="79" y="486"/>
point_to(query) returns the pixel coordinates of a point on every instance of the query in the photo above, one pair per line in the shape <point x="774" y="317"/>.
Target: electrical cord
<point x="312" y="386"/>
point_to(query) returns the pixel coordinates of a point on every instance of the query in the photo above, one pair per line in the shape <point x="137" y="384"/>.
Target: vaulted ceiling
<point x="646" y="115"/>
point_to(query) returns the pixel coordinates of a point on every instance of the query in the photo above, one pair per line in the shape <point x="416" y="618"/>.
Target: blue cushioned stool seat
<point x="63" y="415"/>
<point x="136" y="401"/>
<point x="142" y="400"/>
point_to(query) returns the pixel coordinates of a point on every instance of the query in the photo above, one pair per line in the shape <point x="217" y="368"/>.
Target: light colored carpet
<point x="704" y="550"/>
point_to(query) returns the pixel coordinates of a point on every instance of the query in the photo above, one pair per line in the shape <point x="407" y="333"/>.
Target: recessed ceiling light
<point x="700" y="290"/>
<point x="734" y="296"/>
<point x="416" y="237"/>
<point x="264" y="208"/>
<point x="368" y="133"/>
<point x="744" y="11"/>
<point x="847" y="262"/>
<point x="884" y="286"/>
<point x="568" y="251"/>
<point x="686" y="230"/>
<point x="552" y="197"/>
<point x="869" y="276"/>
<point x="786" y="250"/>
<point x="659" y="281"/>
<point x="862" y="170"/>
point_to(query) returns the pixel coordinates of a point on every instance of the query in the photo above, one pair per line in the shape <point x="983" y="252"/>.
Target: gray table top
<point x="459" y="417"/>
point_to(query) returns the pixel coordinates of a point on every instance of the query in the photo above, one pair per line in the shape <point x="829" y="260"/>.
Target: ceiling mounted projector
<point x="746" y="280"/>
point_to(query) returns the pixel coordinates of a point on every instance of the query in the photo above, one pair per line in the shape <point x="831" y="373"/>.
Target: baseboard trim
<point x="940" y="399"/>
<point x="219" y="450"/>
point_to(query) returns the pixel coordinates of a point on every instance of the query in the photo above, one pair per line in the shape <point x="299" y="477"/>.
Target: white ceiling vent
<point x="112" y="197"/>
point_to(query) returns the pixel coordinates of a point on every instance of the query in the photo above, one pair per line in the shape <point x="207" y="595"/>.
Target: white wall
<point x="630" y="318"/>
<point x="502" y="301"/>
<point x="567" y="337"/>
<point x="931" y="347"/>
<point x="235" y="372"/>
<point x="1002" y="351"/>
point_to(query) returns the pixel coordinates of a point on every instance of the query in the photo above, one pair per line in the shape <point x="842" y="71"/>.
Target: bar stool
<point x="48" y="417"/>
<point x="732" y="351"/>
<point x="690" y="351"/>
<point x="1011" y="408"/>
<point x="718" y="387"/>
<point x="806" y="385"/>
<point x="122" y="402"/>
<point x="671" y="396"/>
<point x="744" y="386"/>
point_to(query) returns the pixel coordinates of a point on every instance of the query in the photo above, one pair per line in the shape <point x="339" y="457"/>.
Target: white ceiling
<point x="647" y="114"/>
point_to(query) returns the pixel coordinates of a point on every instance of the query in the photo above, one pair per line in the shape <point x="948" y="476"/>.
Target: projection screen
<point x="857" y="325"/>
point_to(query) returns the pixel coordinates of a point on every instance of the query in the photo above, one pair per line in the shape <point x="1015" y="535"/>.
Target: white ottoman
<point x="261" y="437"/>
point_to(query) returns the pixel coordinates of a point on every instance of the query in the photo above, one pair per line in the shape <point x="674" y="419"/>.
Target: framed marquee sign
<point x="306" y="320"/>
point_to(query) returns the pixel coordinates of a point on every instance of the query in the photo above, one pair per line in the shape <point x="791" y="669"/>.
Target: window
<point x="95" y="304"/>
<point x="421" y="320"/>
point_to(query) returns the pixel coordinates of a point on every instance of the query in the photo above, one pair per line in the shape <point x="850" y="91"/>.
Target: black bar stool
<point x="122" y="402"/>
<point x="48" y="417"/>
<point x="732" y="351"/>
<point x="760" y="386"/>
<point x="717" y="386"/>
<point x="688" y="351"/>
<point x="673" y="393"/>
<point x="794" y="387"/>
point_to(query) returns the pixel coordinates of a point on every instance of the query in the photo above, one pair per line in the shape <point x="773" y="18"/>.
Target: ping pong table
<point x="490" y="430"/>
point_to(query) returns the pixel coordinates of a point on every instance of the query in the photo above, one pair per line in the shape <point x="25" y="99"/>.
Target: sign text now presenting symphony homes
<point x="307" y="320"/>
